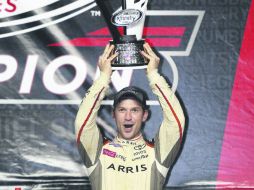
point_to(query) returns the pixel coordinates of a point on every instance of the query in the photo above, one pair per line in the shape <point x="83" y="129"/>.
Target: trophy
<point x="132" y="18"/>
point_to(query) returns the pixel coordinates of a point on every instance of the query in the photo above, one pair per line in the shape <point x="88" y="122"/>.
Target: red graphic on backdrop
<point x="236" y="162"/>
<point x="8" y="6"/>
<point x="156" y="36"/>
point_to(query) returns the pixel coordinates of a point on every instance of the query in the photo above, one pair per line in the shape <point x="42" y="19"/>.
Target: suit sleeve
<point x="169" y="137"/>
<point x="88" y="136"/>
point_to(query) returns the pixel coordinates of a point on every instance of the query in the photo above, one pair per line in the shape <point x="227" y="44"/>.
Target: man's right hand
<point x="106" y="59"/>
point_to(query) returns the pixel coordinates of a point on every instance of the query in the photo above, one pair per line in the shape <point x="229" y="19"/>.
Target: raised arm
<point x="88" y="137"/>
<point x="169" y="137"/>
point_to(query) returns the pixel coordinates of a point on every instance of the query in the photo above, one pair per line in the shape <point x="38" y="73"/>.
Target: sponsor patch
<point x="139" y="147"/>
<point x="109" y="153"/>
<point x="115" y="144"/>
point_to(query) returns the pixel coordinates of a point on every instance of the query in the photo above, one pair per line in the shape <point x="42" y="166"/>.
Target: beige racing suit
<point x="129" y="164"/>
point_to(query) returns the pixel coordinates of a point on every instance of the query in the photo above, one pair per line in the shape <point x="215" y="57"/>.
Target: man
<point x="129" y="162"/>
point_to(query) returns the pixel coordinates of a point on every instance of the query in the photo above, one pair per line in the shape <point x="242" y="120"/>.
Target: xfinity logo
<point x="127" y="17"/>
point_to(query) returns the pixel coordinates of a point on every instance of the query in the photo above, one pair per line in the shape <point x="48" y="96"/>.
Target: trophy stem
<point x="107" y="17"/>
<point x="124" y="6"/>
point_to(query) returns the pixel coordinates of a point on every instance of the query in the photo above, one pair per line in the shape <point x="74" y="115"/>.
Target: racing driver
<point x="129" y="162"/>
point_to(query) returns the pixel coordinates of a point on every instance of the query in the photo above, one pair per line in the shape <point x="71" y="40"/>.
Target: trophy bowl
<point x="129" y="49"/>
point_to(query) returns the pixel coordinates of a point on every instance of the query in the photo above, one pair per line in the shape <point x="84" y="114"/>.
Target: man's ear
<point x="145" y="116"/>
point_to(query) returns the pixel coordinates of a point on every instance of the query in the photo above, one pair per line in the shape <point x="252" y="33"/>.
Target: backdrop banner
<point x="48" y="60"/>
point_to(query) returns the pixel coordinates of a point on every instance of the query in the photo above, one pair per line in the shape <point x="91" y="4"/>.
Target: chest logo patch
<point x="109" y="153"/>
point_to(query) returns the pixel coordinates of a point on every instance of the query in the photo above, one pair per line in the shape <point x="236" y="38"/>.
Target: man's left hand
<point x="149" y="54"/>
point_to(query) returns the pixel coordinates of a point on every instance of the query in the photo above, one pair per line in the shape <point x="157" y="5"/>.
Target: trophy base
<point x="129" y="68"/>
<point x="129" y="52"/>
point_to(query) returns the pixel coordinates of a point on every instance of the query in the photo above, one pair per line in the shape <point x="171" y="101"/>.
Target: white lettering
<point x="95" y="13"/>
<point x="123" y="80"/>
<point x="50" y="72"/>
<point x="118" y="80"/>
<point x="11" y="67"/>
<point x="53" y="78"/>
<point x="28" y="76"/>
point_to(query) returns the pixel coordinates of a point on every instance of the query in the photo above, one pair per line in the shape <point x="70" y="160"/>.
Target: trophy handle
<point x="124" y="6"/>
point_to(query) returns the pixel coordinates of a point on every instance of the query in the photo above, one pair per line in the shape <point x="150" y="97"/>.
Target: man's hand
<point x="106" y="59"/>
<point x="154" y="60"/>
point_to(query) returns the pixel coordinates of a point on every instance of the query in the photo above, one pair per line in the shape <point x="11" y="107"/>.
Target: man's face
<point x="129" y="116"/>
